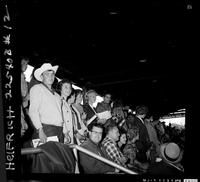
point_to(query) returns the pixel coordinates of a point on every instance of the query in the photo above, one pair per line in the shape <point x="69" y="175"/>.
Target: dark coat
<point x="89" y="112"/>
<point x="91" y="165"/>
<point x="143" y="144"/>
<point x="163" y="168"/>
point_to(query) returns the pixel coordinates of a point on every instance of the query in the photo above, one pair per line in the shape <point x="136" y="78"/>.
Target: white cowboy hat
<point x="44" y="67"/>
<point x="171" y="152"/>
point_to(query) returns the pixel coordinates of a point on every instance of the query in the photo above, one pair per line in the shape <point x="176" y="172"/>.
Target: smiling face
<point x="123" y="138"/>
<point x="79" y="98"/>
<point x="48" y="77"/>
<point x="96" y="134"/>
<point x="66" y="90"/>
<point x="92" y="97"/>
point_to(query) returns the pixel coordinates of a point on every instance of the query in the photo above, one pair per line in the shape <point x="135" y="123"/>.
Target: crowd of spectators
<point x="132" y="140"/>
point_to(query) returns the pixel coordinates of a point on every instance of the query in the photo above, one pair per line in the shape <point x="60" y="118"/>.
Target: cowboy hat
<point x="171" y="152"/>
<point x="46" y="66"/>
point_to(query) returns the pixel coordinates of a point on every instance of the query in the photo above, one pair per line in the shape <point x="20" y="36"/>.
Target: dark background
<point x="138" y="50"/>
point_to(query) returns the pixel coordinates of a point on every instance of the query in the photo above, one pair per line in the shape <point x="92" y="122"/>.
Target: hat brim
<point x="38" y="72"/>
<point x="162" y="149"/>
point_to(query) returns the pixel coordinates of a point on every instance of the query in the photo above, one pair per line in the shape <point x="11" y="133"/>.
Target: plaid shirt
<point x="112" y="150"/>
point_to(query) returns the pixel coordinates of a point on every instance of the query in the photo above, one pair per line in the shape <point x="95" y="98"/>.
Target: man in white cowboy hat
<point x="169" y="163"/>
<point x="45" y="104"/>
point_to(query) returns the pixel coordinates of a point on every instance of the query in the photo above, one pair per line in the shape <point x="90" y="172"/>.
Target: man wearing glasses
<point x="89" y="164"/>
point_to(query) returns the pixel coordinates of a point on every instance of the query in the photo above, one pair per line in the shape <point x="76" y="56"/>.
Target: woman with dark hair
<point x="64" y="88"/>
<point x="122" y="139"/>
<point x="80" y="116"/>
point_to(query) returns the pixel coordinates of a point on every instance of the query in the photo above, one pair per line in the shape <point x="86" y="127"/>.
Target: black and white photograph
<point x="96" y="87"/>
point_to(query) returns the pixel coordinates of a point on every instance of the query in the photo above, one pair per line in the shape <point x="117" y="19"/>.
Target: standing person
<point x="91" y="115"/>
<point x="24" y="95"/>
<point x="45" y="104"/>
<point x="64" y="89"/>
<point x="78" y="138"/>
<point x="24" y="85"/>
<point x="105" y="104"/>
<point x="91" y="165"/>
<point x="143" y="143"/>
<point x="109" y="145"/>
<point x="155" y="152"/>
<point x="80" y="115"/>
<point x="90" y="98"/>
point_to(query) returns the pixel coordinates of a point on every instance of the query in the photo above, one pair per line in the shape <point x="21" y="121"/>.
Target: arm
<point x="35" y="101"/>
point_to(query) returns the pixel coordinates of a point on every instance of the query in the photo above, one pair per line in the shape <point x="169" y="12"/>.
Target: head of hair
<point x="72" y="93"/>
<point x="112" y="124"/>
<point x="60" y="84"/>
<point x="141" y="109"/>
<point x="78" y="92"/>
<point x="122" y="131"/>
<point x="92" y="125"/>
<point x="24" y="58"/>
<point x="132" y="133"/>
<point x="106" y="93"/>
<point x="87" y="93"/>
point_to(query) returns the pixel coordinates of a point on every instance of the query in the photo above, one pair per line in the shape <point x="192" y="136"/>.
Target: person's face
<point x="92" y="97"/>
<point x="24" y="127"/>
<point x="66" y="89"/>
<point x="114" y="134"/>
<point x="24" y="65"/>
<point x="107" y="98"/>
<point x="123" y="138"/>
<point x="96" y="134"/>
<point x="48" y="77"/>
<point x="79" y="98"/>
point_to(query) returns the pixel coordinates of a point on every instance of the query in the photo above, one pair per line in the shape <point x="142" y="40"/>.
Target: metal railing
<point x="25" y="151"/>
<point x="113" y="164"/>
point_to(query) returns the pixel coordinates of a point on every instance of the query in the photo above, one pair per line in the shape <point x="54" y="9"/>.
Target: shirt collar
<point x="51" y="90"/>
<point x="140" y="119"/>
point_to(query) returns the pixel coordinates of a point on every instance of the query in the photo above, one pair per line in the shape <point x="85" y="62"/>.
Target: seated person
<point x="89" y="164"/>
<point x="110" y="147"/>
<point x="169" y="163"/>
<point x="130" y="148"/>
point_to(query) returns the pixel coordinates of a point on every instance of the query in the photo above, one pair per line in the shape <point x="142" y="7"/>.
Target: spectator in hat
<point x="45" y="104"/>
<point x="169" y="163"/>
